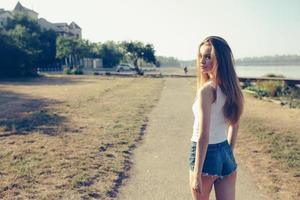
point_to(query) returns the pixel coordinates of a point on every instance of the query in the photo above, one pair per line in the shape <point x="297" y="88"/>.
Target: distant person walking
<point x="185" y="70"/>
<point x="217" y="109"/>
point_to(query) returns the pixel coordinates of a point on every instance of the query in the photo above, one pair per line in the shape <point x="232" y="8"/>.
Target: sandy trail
<point x="160" y="170"/>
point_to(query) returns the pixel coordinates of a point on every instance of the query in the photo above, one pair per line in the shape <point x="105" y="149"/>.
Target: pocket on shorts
<point x="229" y="150"/>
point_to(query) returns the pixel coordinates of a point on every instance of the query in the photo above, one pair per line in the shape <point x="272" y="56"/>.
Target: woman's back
<point x="218" y="126"/>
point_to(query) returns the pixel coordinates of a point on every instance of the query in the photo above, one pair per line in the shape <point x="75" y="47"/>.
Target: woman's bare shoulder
<point x="206" y="92"/>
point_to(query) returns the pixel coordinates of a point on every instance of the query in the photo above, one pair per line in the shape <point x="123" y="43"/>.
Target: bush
<point x="274" y="88"/>
<point x="259" y="91"/>
<point x="77" y="71"/>
<point x="246" y="84"/>
<point x="67" y="71"/>
<point x="274" y="75"/>
<point x="286" y="94"/>
<point x="73" y="71"/>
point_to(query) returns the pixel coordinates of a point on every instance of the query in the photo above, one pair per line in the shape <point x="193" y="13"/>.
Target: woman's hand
<point x="197" y="184"/>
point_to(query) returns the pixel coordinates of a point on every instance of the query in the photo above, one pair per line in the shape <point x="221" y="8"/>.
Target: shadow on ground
<point x="45" y="80"/>
<point x="21" y="114"/>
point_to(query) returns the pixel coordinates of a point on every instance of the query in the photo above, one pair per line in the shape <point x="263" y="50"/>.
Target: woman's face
<point x="206" y="58"/>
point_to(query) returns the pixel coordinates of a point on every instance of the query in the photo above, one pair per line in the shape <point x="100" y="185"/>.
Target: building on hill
<point x="47" y="25"/>
<point x="75" y="30"/>
<point x="71" y="30"/>
<point x="4" y="16"/>
<point x="21" y="9"/>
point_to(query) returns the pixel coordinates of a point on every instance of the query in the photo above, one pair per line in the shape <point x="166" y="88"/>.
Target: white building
<point x="47" y="25"/>
<point x="92" y="63"/>
<point x="4" y="15"/>
<point x="21" y="9"/>
<point x="71" y="30"/>
<point x="75" y="30"/>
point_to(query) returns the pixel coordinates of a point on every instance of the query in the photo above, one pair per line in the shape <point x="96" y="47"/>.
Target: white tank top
<point x="218" y="126"/>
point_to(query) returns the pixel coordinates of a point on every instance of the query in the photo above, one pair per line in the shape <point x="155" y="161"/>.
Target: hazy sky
<point x="176" y="27"/>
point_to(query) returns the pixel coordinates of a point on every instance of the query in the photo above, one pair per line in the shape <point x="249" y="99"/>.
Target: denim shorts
<point x="219" y="160"/>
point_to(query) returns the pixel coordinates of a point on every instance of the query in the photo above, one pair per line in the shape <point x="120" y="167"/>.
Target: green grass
<point x="277" y="90"/>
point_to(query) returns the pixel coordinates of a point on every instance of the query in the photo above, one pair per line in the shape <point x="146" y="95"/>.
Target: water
<point x="258" y="71"/>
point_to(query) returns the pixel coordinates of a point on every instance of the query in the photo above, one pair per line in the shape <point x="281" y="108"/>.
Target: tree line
<point x="263" y="60"/>
<point x="270" y="60"/>
<point x="25" y="46"/>
<point x="168" y="61"/>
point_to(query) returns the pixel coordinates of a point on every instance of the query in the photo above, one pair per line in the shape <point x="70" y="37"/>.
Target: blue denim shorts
<point x="219" y="160"/>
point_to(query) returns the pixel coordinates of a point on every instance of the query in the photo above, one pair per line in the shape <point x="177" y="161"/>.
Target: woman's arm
<point x="206" y="99"/>
<point x="232" y="134"/>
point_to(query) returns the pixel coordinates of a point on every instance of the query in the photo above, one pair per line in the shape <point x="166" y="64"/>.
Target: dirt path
<point x="160" y="170"/>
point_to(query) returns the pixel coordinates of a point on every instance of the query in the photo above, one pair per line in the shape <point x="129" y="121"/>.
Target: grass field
<point x="66" y="137"/>
<point x="70" y="138"/>
<point x="269" y="143"/>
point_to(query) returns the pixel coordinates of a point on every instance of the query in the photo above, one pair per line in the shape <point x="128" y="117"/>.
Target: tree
<point x="90" y="49"/>
<point x="22" y="38"/>
<point x="63" y="49"/>
<point x="70" y="50"/>
<point x="137" y="50"/>
<point x="111" y="53"/>
<point x="169" y="61"/>
<point x="73" y="50"/>
<point x="40" y="45"/>
<point x="149" y="54"/>
<point x="47" y="56"/>
<point x="15" y="62"/>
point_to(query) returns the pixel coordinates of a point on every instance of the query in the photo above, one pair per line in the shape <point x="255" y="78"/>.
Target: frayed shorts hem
<point x="219" y="161"/>
<point x="220" y="177"/>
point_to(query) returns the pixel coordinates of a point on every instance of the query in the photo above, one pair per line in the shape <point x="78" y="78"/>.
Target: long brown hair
<point x="226" y="77"/>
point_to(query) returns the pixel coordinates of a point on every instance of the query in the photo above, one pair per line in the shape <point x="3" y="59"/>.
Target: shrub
<point x="246" y="84"/>
<point x="274" y="75"/>
<point x="67" y="71"/>
<point x="73" y="71"/>
<point x="259" y="91"/>
<point x="76" y="71"/>
<point x="274" y="88"/>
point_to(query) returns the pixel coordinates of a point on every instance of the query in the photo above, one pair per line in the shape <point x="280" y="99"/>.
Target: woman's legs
<point x="207" y="183"/>
<point x="225" y="188"/>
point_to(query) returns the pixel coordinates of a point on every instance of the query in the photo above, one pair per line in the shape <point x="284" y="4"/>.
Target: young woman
<point x="217" y="109"/>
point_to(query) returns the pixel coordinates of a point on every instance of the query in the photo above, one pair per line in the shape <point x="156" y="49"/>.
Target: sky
<point x="176" y="27"/>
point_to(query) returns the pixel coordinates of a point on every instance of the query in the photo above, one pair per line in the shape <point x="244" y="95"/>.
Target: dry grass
<point x="269" y="144"/>
<point x="70" y="138"/>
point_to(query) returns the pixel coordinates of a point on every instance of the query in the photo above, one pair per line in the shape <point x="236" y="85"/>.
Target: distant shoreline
<point x="252" y="65"/>
<point x="268" y="65"/>
<point x="277" y="60"/>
